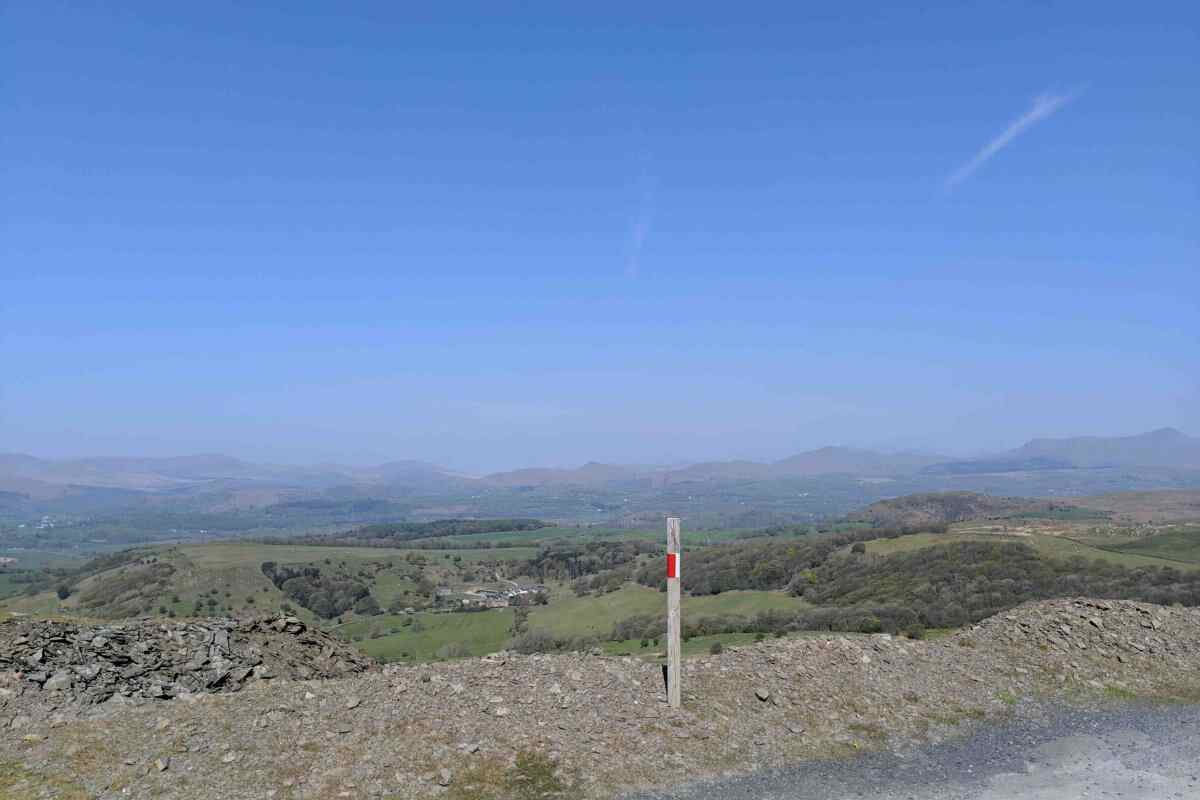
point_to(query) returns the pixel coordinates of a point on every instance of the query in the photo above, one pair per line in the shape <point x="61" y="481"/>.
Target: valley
<point x="452" y="589"/>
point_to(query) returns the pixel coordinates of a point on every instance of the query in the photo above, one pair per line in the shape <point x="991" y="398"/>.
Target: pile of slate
<point x="1118" y="629"/>
<point x="164" y="659"/>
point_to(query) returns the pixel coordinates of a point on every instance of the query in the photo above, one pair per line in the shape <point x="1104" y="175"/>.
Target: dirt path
<point x="1134" y="753"/>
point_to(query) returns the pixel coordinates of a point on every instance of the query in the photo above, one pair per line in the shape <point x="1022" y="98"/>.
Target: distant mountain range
<point x="41" y="478"/>
<point x="1162" y="448"/>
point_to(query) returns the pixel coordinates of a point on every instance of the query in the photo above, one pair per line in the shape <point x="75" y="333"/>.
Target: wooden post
<point x="674" y="654"/>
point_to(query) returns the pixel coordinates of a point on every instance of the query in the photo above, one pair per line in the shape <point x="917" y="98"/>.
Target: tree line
<point x="325" y="596"/>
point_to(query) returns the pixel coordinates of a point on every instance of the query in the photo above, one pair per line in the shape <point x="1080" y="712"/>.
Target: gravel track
<point x="1136" y="752"/>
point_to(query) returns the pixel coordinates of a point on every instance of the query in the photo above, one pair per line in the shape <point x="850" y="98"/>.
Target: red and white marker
<point x="674" y="652"/>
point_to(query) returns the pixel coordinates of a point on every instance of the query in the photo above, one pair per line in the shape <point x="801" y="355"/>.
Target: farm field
<point x="566" y="616"/>
<point x="1056" y="547"/>
<point x="1179" y="543"/>
<point x="475" y="634"/>
<point x="595" y="616"/>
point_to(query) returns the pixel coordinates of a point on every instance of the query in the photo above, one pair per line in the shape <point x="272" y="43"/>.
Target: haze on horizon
<point x="621" y="234"/>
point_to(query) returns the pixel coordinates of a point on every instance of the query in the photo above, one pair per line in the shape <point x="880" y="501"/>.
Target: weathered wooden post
<point x="674" y="650"/>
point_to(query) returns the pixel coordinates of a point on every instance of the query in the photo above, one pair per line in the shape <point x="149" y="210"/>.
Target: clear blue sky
<point x="489" y="238"/>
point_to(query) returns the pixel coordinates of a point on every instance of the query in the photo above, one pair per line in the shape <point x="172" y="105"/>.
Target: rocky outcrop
<point x="157" y="659"/>
<point x="1109" y="629"/>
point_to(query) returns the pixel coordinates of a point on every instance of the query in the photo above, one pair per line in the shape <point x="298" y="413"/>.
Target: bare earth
<point x="440" y="729"/>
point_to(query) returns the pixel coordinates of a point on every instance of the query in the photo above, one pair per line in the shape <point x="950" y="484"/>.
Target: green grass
<point x="9" y="586"/>
<point x="568" y="615"/>
<point x="39" y="559"/>
<point x="389" y="586"/>
<point x="1119" y="693"/>
<point x="20" y="783"/>
<point x="1182" y="544"/>
<point x="1056" y="547"/>
<point x="479" y="633"/>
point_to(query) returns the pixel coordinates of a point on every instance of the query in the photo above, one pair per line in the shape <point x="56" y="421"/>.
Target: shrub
<point x="716" y="649"/>
<point x="534" y="642"/>
<point x="452" y="650"/>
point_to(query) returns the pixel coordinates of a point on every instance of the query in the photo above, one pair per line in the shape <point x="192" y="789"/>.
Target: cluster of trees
<point x="540" y="641"/>
<point x="64" y="580"/>
<point x="943" y="586"/>
<point x="758" y="564"/>
<point x="568" y="562"/>
<point x="389" y="533"/>
<point x="127" y="591"/>
<point x="325" y="596"/>
<point x="603" y="582"/>
<point x="958" y="583"/>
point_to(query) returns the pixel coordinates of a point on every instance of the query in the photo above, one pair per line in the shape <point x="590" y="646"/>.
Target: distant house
<point x="5" y="561"/>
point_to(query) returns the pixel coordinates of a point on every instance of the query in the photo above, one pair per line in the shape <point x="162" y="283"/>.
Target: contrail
<point x="639" y="230"/>
<point x="1044" y="106"/>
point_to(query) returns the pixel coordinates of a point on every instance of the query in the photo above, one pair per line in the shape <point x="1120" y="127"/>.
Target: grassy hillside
<point x="595" y="616"/>
<point x="1180" y="544"/>
<point x="422" y="636"/>
<point x="1056" y="547"/>
<point x="226" y="578"/>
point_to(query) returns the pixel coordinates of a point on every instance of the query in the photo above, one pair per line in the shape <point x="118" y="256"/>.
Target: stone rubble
<point x="158" y="659"/>
<point x="415" y="731"/>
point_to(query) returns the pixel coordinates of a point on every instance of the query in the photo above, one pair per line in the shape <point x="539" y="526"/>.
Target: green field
<point x="479" y="633"/>
<point x="9" y="586"/>
<point x="1056" y="547"/>
<point x="229" y="573"/>
<point x="39" y="559"/>
<point x="568" y="615"/>
<point x="1180" y="544"/>
<point x="565" y="616"/>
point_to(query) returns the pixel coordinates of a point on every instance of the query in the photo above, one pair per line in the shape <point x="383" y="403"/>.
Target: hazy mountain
<point x="846" y="460"/>
<point x="236" y="483"/>
<point x="823" y="461"/>
<point x="1165" y="447"/>
<point x="149" y="473"/>
<point x="591" y="473"/>
<point x="987" y="466"/>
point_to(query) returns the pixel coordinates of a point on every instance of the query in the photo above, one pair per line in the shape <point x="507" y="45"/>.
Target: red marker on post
<point x="674" y="652"/>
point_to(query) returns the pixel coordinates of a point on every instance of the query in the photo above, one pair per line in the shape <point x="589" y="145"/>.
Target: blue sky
<point x="491" y="237"/>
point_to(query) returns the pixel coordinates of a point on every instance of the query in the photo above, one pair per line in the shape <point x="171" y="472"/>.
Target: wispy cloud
<point x="640" y="227"/>
<point x="1044" y="106"/>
